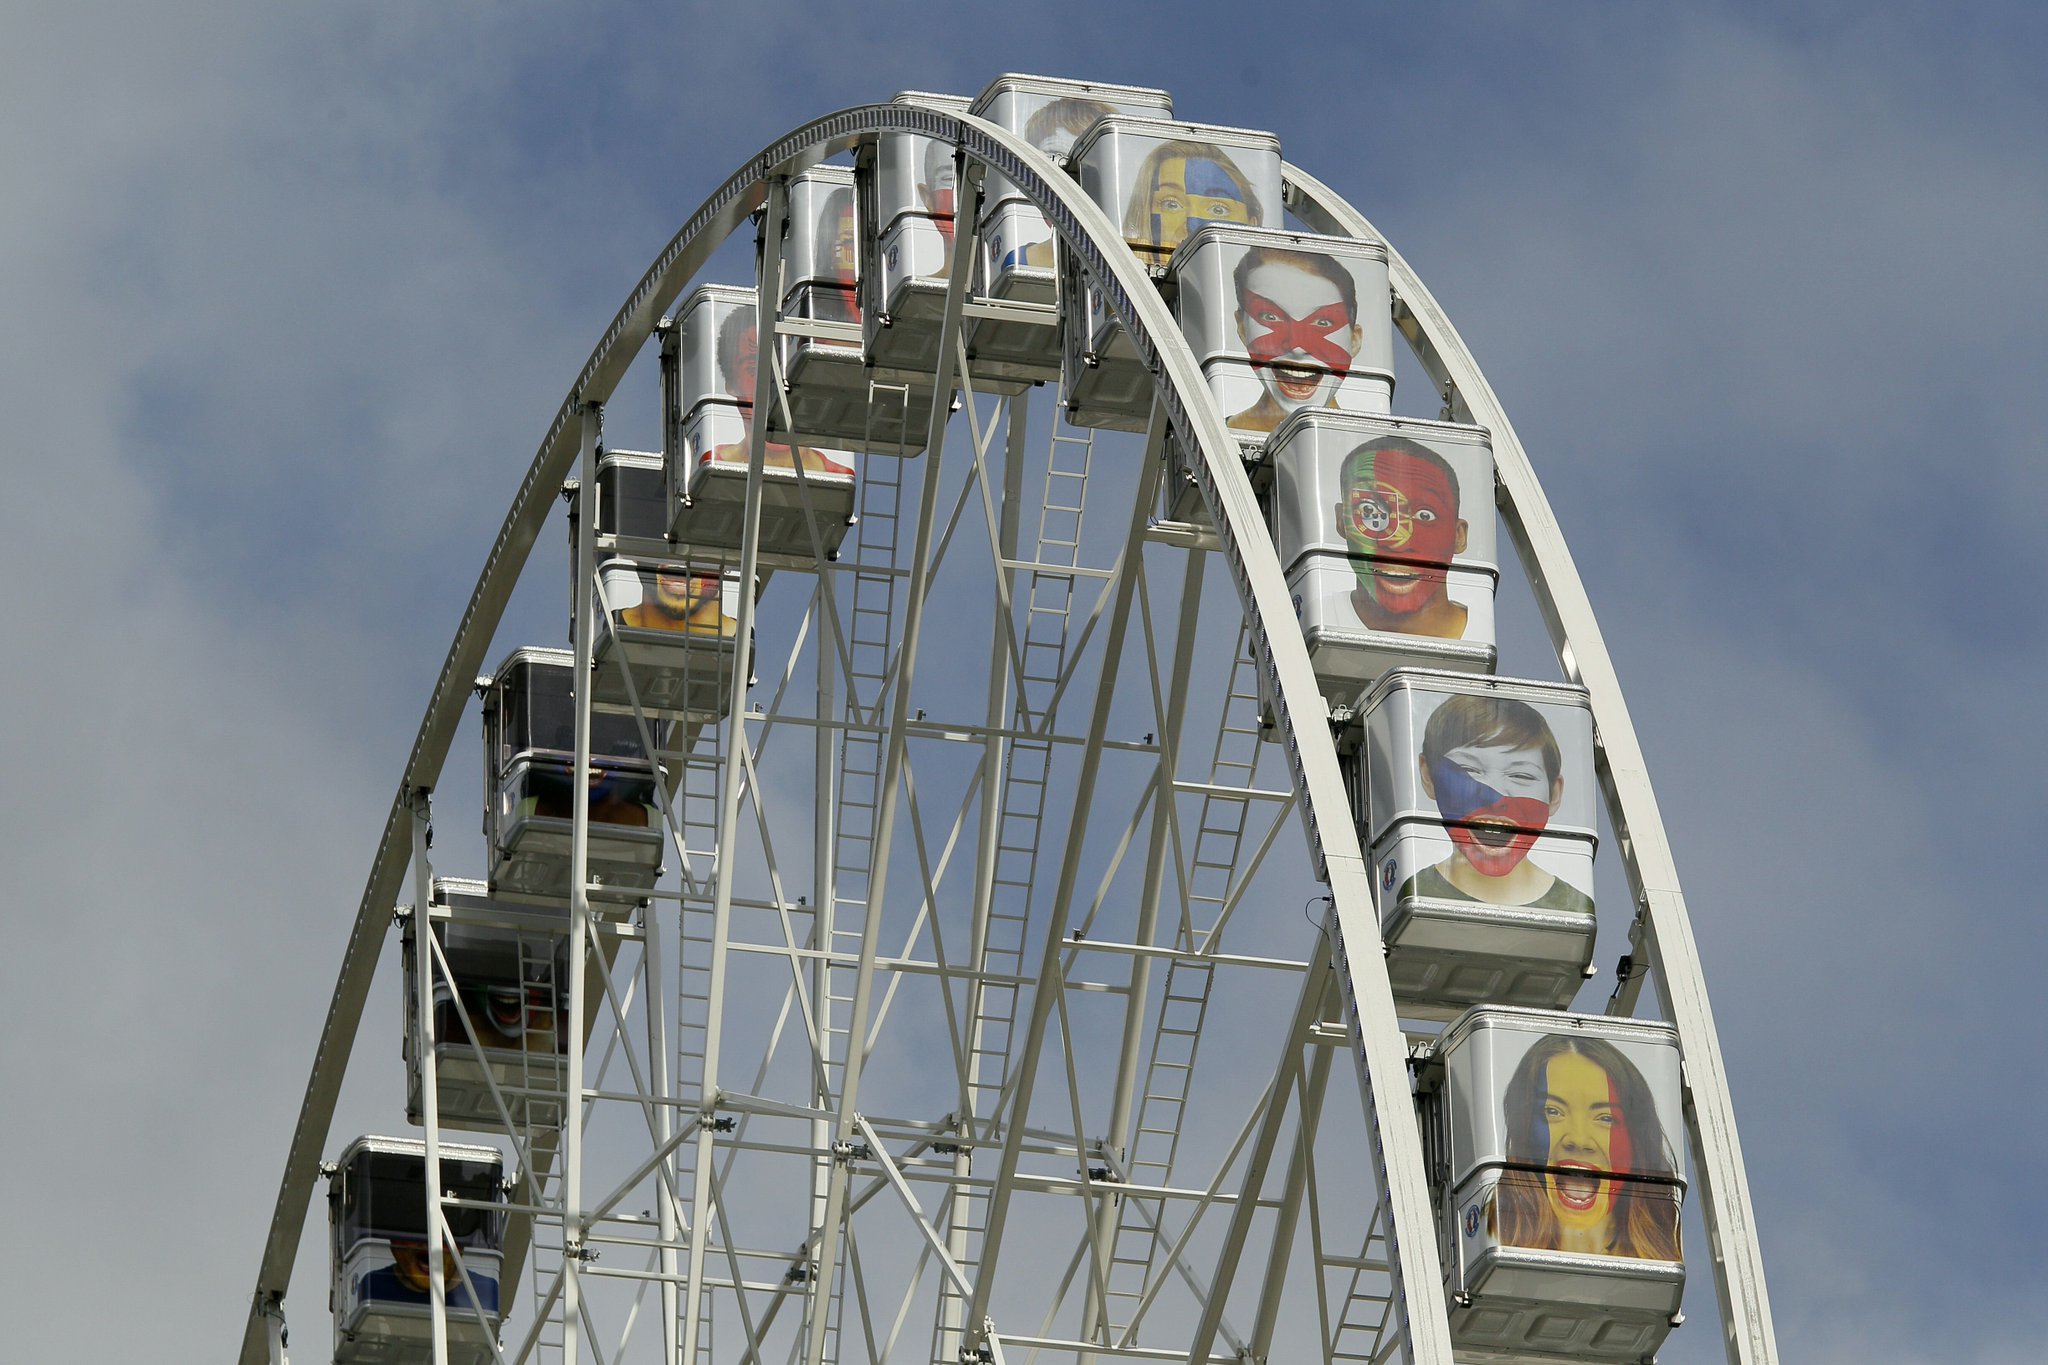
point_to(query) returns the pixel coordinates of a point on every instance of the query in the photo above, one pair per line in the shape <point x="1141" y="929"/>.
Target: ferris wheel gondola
<point x="968" y="1013"/>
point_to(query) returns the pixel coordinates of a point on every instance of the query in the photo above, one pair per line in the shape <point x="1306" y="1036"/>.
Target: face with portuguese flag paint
<point x="1399" y="521"/>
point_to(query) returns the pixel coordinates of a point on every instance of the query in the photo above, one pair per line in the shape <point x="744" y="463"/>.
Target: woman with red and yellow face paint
<point x="1180" y="186"/>
<point x="1588" y="1169"/>
<point x="1587" y="1141"/>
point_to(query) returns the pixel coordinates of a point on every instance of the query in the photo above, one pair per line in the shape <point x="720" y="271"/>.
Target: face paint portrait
<point x="406" y="1280"/>
<point x="739" y="354"/>
<point x="1398" y="518"/>
<point x="834" y="300"/>
<point x="739" y="357"/>
<point x="1180" y="186"/>
<point x="1052" y="129"/>
<point x="845" y="234"/>
<point x="1056" y="126"/>
<point x="1589" y="1169"/>
<point x="505" y="1015"/>
<point x="1495" y="771"/>
<point x="620" y="794"/>
<point x="678" y="599"/>
<point x="938" y="190"/>
<point x="1297" y="314"/>
<point x="777" y="455"/>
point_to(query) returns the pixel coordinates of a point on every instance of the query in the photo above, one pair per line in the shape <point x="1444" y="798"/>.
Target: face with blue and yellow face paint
<point x="1187" y="191"/>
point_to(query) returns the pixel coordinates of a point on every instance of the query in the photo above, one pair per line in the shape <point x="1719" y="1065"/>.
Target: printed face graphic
<point x="1300" y="336"/>
<point x="1588" y="1137"/>
<point x="939" y="187"/>
<point x="692" y="601"/>
<point x="1399" y="519"/>
<point x="843" y="242"/>
<point x="409" y="1265"/>
<point x="1188" y="190"/>
<point x="745" y="360"/>
<point x="680" y="593"/>
<point x="1499" y="797"/>
<point x="518" y="1017"/>
<point x="1057" y="140"/>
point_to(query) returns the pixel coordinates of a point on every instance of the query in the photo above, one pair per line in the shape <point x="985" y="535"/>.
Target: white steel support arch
<point x="1352" y="967"/>
<point x="1661" y="936"/>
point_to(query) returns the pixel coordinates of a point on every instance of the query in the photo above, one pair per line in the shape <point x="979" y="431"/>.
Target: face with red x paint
<point x="1298" y="316"/>
<point x="1399" y="520"/>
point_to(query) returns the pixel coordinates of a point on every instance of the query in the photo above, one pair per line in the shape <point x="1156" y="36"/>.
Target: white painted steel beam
<point x="1025" y="1067"/>
<point x="774" y="220"/>
<point x="1666" y="931"/>
<point x="1094" y="243"/>
<point x="885" y="821"/>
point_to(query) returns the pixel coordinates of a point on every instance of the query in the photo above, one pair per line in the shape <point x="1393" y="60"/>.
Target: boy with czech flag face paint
<point x="1579" y="1114"/>
<point x="1496" y="774"/>
<point x="1399" y="521"/>
<point x="1297" y="313"/>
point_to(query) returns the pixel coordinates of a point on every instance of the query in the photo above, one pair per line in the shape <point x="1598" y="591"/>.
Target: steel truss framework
<point x="905" y="1065"/>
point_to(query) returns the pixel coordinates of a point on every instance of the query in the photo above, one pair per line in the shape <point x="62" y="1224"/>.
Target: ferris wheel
<point x="1028" y="854"/>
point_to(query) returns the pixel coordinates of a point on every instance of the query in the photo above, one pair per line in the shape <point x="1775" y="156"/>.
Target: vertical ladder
<point x="705" y="1355"/>
<point x="999" y="965"/>
<point x="1048" y="614"/>
<point x="541" y="1098"/>
<point x="1184" y="998"/>
<point x="871" y="646"/>
<point x="693" y="1021"/>
<point x="693" y="801"/>
<point x="693" y="805"/>
<point x="545" y="1260"/>
<point x="871" y="643"/>
<point x="1366" y="1304"/>
<point x="693" y="1040"/>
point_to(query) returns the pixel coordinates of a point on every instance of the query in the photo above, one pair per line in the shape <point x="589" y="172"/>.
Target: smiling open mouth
<point x="1297" y="381"/>
<point x="1577" y="1186"/>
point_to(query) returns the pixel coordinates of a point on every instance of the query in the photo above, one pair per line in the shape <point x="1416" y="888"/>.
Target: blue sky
<point x="292" y="292"/>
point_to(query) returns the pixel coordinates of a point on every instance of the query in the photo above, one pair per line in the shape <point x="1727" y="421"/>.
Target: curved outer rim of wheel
<point x="1663" y="932"/>
<point x="1299" y="708"/>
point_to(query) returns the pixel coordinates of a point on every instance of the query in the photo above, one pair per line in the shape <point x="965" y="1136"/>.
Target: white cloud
<point x="292" y="295"/>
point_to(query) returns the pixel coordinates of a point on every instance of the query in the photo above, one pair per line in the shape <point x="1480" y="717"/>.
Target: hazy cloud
<point x="291" y="296"/>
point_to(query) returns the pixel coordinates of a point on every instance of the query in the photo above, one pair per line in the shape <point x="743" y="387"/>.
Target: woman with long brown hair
<point x="1589" y="1169"/>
